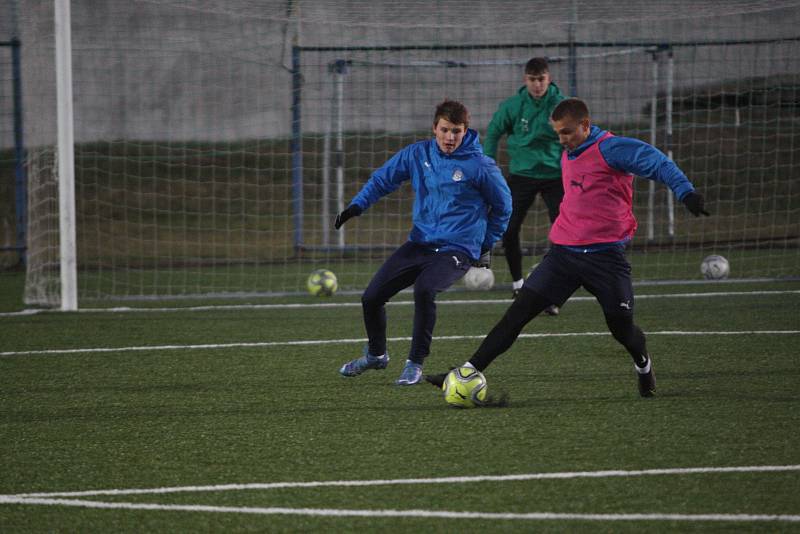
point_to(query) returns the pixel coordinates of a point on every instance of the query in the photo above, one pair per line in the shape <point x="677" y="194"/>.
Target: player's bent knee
<point x="371" y="299"/>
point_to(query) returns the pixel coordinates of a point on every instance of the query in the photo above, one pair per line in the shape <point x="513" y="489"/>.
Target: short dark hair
<point x="536" y="66"/>
<point x="453" y="111"/>
<point x="574" y="108"/>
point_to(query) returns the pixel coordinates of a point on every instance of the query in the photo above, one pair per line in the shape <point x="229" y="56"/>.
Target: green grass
<point x="207" y="416"/>
<point x="12" y="285"/>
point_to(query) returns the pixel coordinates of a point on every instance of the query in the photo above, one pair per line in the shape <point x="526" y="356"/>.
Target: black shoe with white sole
<point x="436" y="380"/>
<point x="647" y="380"/>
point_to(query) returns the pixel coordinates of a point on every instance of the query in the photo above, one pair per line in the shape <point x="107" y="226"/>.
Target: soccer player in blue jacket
<point x="461" y="208"/>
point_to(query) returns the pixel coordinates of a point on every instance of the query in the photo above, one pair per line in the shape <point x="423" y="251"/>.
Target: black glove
<point x="485" y="260"/>
<point x="353" y="210"/>
<point x="696" y="204"/>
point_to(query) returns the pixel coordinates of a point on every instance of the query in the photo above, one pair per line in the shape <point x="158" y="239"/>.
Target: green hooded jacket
<point x="532" y="144"/>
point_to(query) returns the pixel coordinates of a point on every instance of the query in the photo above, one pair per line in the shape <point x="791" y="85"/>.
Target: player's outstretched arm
<point x="500" y="125"/>
<point x="386" y="179"/>
<point x="642" y="159"/>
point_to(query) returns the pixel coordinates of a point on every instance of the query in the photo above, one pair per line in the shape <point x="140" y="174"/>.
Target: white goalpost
<point x="66" y="158"/>
<point x="335" y="129"/>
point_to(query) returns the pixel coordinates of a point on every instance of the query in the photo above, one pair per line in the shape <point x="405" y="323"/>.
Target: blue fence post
<point x="20" y="181"/>
<point x="297" y="152"/>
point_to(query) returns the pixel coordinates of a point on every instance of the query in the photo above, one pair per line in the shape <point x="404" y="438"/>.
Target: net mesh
<point x="215" y="142"/>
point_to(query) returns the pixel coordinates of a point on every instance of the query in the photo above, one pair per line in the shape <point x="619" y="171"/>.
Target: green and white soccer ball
<point x="322" y="283"/>
<point x="465" y="387"/>
<point x="715" y="267"/>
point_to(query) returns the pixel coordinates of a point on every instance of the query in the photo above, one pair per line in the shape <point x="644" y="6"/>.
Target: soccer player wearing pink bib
<point x="594" y="225"/>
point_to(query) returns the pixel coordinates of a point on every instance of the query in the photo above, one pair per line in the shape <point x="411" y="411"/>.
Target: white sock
<point x="517" y="284"/>
<point x="643" y="370"/>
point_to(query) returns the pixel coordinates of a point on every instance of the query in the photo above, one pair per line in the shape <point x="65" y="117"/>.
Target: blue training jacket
<point x="637" y="157"/>
<point x="461" y="200"/>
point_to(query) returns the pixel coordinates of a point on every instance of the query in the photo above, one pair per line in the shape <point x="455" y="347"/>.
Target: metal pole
<point x="297" y="153"/>
<point x="573" y="52"/>
<point x="651" y="187"/>
<point x="66" y="157"/>
<point x="668" y="143"/>
<point x="20" y="178"/>
<point x="326" y="186"/>
<point x="341" y="70"/>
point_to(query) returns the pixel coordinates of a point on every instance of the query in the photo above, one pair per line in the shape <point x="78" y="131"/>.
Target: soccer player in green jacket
<point x="534" y="153"/>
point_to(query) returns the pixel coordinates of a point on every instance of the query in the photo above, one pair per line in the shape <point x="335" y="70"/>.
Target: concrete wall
<point x="209" y="70"/>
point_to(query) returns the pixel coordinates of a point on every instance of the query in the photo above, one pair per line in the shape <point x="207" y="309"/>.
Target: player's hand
<point x="696" y="204"/>
<point x="485" y="260"/>
<point x="353" y="210"/>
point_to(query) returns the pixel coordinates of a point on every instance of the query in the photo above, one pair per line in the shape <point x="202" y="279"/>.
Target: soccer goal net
<point x="214" y="143"/>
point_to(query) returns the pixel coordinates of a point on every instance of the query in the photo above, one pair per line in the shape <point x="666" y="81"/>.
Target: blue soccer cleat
<point x="365" y="362"/>
<point x="412" y="374"/>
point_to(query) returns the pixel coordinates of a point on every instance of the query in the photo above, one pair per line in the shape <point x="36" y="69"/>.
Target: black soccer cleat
<point x="436" y="380"/>
<point x="647" y="381"/>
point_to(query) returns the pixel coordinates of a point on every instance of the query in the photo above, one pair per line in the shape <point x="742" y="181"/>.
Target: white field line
<point x="416" y="481"/>
<point x="125" y="309"/>
<point x="309" y="342"/>
<point x="437" y="514"/>
<point x="49" y="499"/>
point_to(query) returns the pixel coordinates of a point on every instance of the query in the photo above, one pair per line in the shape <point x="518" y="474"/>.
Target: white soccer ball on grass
<point x="479" y="278"/>
<point x="715" y="267"/>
